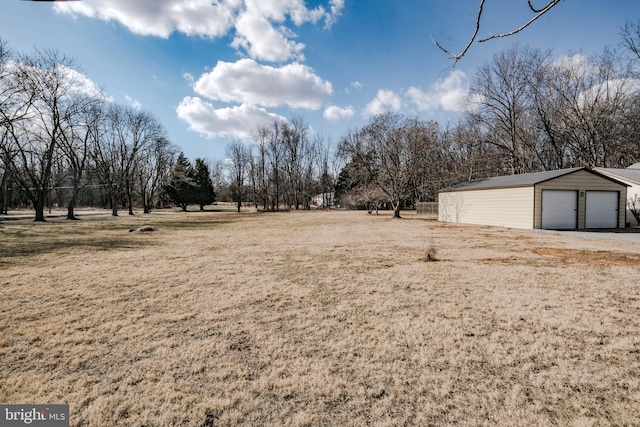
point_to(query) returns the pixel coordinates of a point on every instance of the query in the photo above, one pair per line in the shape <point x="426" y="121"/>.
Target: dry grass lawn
<point x="317" y="318"/>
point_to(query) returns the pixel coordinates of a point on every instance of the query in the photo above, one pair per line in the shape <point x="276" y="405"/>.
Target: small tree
<point x="239" y="156"/>
<point x="633" y="203"/>
<point x="182" y="186"/>
<point x="204" y="184"/>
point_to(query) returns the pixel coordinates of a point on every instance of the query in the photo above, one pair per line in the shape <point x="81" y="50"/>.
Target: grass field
<point x="317" y="318"/>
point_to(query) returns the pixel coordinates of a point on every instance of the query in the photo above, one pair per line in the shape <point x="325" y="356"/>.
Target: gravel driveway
<point x="621" y="234"/>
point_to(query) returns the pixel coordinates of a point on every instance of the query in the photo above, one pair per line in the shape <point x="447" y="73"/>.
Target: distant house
<point x="326" y="200"/>
<point x="574" y="198"/>
<point x="631" y="177"/>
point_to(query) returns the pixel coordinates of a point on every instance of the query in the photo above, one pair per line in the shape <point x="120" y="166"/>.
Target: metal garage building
<point x="631" y="176"/>
<point x="575" y="198"/>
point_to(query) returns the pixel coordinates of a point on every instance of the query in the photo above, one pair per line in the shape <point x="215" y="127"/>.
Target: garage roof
<point x="522" y="180"/>
<point x="628" y="174"/>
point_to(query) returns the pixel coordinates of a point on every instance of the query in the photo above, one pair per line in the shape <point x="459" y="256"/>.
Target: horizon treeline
<point x="63" y="142"/>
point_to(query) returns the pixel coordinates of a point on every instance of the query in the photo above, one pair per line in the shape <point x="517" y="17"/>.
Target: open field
<point x="317" y="318"/>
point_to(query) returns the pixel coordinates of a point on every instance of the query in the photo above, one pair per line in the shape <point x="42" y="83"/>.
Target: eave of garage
<point x="523" y="180"/>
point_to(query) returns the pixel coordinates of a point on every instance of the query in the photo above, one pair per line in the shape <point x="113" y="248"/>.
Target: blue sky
<point x="213" y="71"/>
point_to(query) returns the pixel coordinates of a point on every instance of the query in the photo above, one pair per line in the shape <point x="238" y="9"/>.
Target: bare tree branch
<point x="631" y="37"/>
<point x="458" y="56"/>
<point x="538" y="14"/>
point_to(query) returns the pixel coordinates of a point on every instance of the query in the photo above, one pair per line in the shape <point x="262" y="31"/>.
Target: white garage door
<point x="601" y="210"/>
<point x="559" y="209"/>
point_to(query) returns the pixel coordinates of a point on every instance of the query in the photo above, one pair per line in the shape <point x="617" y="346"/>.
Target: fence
<point x="427" y="208"/>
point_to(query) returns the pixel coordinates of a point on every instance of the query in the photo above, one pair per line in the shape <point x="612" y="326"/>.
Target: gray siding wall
<point x="506" y="207"/>
<point x="581" y="181"/>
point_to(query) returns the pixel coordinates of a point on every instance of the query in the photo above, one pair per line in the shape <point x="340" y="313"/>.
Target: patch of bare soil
<point x="582" y="256"/>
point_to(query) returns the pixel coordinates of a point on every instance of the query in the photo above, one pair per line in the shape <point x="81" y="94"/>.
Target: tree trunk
<point x="114" y="205"/>
<point x="70" y="212"/>
<point x="38" y="205"/>
<point x="396" y="210"/>
<point x="145" y="202"/>
<point x="239" y="205"/>
<point x="3" y="194"/>
<point x="72" y="202"/>
<point x="130" y="200"/>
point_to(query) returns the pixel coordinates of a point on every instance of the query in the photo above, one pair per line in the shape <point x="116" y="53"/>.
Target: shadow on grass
<point x="22" y="239"/>
<point x="194" y="225"/>
<point x="14" y="250"/>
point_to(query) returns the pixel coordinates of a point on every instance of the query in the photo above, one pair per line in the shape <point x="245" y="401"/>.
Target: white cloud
<point x="81" y="84"/>
<point x="356" y="85"/>
<point x="133" y="102"/>
<point x="161" y="17"/>
<point x="384" y="101"/>
<point x="277" y="10"/>
<point x="334" y="113"/>
<point x="73" y="81"/>
<point x="578" y="63"/>
<point x="583" y="70"/>
<point x="238" y="122"/>
<point x="336" y="11"/>
<point x="449" y="94"/>
<point x="259" y="26"/>
<point x="189" y="78"/>
<point x="261" y="40"/>
<point x="247" y="82"/>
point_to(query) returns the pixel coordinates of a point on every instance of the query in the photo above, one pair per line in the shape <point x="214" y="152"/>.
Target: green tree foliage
<point x="204" y="185"/>
<point x="182" y="188"/>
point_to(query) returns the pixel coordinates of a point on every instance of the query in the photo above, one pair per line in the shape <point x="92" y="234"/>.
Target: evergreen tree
<point x="182" y="188"/>
<point x="204" y="185"/>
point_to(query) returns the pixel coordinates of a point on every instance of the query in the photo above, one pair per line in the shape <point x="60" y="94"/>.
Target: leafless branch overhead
<point x="538" y="13"/>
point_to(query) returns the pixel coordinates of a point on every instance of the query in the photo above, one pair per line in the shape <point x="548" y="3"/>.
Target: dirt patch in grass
<point x="316" y="318"/>
<point x="583" y="256"/>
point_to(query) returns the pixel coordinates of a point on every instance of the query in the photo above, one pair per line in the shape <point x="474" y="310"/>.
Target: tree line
<point x="527" y="112"/>
<point x="63" y="141"/>
<point x="60" y="135"/>
<point x="283" y="168"/>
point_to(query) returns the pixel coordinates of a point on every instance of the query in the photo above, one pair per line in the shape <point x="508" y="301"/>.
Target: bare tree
<point x="330" y="165"/>
<point x="381" y="148"/>
<point x="238" y="158"/>
<point x="5" y="94"/>
<point x="260" y="168"/>
<point x="275" y="155"/>
<point x="153" y="170"/>
<point x="501" y="88"/>
<point x="298" y="163"/>
<point x="594" y="96"/>
<point x="105" y="155"/>
<point x="136" y="131"/>
<point x="41" y="111"/>
<point x="217" y="176"/>
<point x="631" y="37"/>
<point x="123" y="142"/>
<point x="75" y="145"/>
<point x="633" y="204"/>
